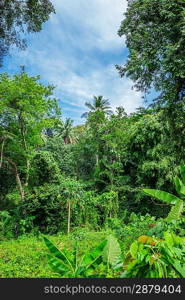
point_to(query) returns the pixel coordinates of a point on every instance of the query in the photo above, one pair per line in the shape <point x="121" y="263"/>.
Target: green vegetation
<point x="20" y="17"/>
<point x="103" y="199"/>
<point x="153" y="258"/>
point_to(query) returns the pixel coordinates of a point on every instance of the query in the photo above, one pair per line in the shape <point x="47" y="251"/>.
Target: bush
<point x="44" y="209"/>
<point x="44" y="169"/>
<point x="150" y="257"/>
<point x="6" y="225"/>
<point x="136" y="226"/>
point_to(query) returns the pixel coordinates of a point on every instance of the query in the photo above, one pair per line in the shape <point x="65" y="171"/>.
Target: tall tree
<point x="99" y="104"/>
<point x="21" y="16"/>
<point x="65" y="130"/>
<point x="155" y="37"/>
<point x="26" y="109"/>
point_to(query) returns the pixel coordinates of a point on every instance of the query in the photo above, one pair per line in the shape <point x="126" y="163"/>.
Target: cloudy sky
<point x="77" y="51"/>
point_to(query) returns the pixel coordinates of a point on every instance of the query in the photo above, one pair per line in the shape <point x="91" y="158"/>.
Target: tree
<point x="120" y="112"/>
<point x="155" y="37"/>
<point x="64" y="156"/>
<point x="99" y="104"/>
<point x="72" y="192"/>
<point x="66" y="131"/>
<point x="26" y="108"/>
<point x="20" y="16"/>
<point x="4" y="136"/>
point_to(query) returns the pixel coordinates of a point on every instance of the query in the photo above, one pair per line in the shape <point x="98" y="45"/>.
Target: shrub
<point x="6" y="225"/>
<point x="136" y="226"/>
<point x="44" y="203"/>
<point x="151" y="257"/>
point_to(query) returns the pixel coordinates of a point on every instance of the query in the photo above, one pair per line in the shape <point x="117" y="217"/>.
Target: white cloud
<point x="99" y="20"/>
<point x="77" y="50"/>
<point x="102" y="81"/>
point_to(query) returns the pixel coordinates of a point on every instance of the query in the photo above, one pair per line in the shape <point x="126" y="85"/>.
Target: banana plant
<point x="176" y="202"/>
<point x="70" y="265"/>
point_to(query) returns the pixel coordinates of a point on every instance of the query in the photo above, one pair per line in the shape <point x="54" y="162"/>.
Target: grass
<point x="26" y="257"/>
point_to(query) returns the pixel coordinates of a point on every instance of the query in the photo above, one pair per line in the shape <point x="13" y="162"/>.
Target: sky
<point x="77" y="51"/>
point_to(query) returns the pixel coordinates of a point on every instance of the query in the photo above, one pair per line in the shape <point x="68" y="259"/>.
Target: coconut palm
<point x="99" y="104"/>
<point x="66" y="131"/>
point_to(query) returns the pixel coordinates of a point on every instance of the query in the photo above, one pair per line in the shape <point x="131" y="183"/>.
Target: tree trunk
<point x="19" y="185"/>
<point x="2" y="149"/>
<point x="97" y="159"/>
<point x="27" y="172"/>
<point x="69" y="217"/>
<point x="23" y="134"/>
<point x="18" y="180"/>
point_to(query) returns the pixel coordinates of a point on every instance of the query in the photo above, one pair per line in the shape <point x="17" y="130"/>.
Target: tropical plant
<point x="151" y="47"/>
<point x="155" y="59"/>
<point x="27" y="108"/>
<point x="64" y="156"/>
<point x="21" y="16"/>
<point x="69" y="264"/>
<point x="151" y="257"/>
<point x="158" y="229"/>
<point x="132" y="226"/>
<point x="46" y="205"/>
<point x="178" y="208"/>
<point x="65" y="130"/>
<point x="112" y="253"/>
<point x="106" y="258"/>
<point x="5" y="224"/>
<point x="99" y="104"/>
<point x="72" y="192"/>
<point x="108" y="204"/>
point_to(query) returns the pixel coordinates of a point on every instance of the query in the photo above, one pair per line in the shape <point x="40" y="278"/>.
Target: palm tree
<point x="66" y="131"/>
<point x="99" y="104"/>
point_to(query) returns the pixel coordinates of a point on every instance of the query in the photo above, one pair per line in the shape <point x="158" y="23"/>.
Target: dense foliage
<point x="18" y="17"/>
<point x="110" y="192"/>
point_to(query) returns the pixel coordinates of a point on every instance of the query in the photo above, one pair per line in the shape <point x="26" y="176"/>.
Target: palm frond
<point x="89" y="105"/>
<point x="84" y="115"/>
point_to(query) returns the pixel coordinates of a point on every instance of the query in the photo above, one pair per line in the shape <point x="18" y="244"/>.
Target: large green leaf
<point x="179" y="268"/>
<point x="180" y="187"/>
<point x="91" y="256"/>
<point x="55" y="251"/>
<point x="178" y="184"/>
<point x="175" y="211"/>
<point x="134" y="249"/>
<point x="57" y="265"/>
<point x="96" y="252"/>
<point x="182" y="190"/>
<point x="169" y="238"/>
<point x="162" y="196"/>
<point x="112" y="251"/>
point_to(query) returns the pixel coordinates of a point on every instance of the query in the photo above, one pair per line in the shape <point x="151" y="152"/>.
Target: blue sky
<point x="77" y="51"/>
